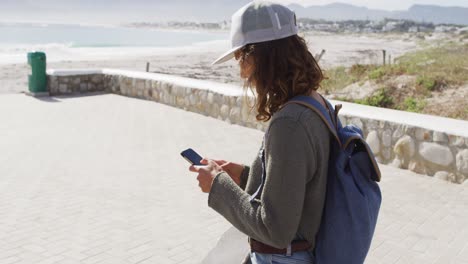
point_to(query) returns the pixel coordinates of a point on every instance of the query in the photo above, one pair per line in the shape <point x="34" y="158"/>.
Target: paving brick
<point x="10" y="260"/>
<point x="99" y="179"/>
<point x="51" y="260"/>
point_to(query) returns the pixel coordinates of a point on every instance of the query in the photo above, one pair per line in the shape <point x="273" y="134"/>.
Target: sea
<point x="68" y="42"/>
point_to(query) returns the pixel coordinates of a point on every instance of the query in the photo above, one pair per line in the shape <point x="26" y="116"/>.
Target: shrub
<point x="444" y="65"/>
<point x="377" y="73"/>
<point x="379" y="99"/>
<point x="414" y="105"/>
<point x="359" y="70"/>
<point x="336" y="79"/>
<point x="428" y="83"/>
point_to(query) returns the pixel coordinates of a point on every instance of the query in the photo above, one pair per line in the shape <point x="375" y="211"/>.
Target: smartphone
<point x="191" y="156"/>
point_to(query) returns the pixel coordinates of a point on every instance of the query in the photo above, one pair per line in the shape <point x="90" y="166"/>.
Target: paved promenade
<point x="99" y="179"/>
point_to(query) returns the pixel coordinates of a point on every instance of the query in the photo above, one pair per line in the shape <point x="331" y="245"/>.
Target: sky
<point x="382" y="4"/>
<point x="93" y="13"/>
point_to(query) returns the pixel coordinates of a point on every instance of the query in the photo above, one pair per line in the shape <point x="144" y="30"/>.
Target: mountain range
<point x="420" y="13"/>
<point x="122" y="11"/>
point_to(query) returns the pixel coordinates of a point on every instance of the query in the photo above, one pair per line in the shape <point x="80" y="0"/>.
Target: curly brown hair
<point x="283" y="68"/>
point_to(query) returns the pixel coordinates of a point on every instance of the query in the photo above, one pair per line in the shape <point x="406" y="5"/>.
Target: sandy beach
<point x="195" y="61"/>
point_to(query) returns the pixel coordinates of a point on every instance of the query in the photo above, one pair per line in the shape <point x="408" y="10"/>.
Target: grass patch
<point x="336" y="79"/>
<point x="359" y="71"/>
<point x="464" y="36"/>
<point x="377" y="74"/>
<point x="340" y="77"/>
<point x="438" y="66"/>
<point x="428" y="83"/>
<point x="381" y="98"/>
<point x="414" y="105"/>
<point x="435" y="67"/>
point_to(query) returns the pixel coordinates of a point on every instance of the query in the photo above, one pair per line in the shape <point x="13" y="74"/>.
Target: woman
<point x="278" y="200"/>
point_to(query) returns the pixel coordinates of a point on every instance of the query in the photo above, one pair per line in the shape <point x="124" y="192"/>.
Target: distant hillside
<point x="436" y="14"/>
<point x="339" y="11"/>
<point x="427" y="13"/>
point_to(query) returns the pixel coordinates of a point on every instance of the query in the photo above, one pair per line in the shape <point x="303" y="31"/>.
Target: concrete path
<point x="99" y="179"/>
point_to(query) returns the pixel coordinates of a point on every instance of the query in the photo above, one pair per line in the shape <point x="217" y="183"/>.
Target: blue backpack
<point x="353" y="197"/>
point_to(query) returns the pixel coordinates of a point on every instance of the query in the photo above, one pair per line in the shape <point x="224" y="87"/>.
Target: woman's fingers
<point x="206" y="173"/>
<point x="225" y="165"/>
<point x="220" y="162"/>
<point x="202" y="183"/>
<point x="194" y="168"/>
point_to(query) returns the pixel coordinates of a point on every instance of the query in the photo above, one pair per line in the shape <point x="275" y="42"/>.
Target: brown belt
<point x="259" y="247"/>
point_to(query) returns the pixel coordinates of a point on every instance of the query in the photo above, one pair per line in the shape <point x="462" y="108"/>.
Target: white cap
<point x="259" y="21"/>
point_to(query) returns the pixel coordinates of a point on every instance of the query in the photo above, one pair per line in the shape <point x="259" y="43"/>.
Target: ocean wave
<point x="22" y="48"/>
<point x="55" y="52"/>
<point x="46" y="23"/>
<point x="97" y="45"/>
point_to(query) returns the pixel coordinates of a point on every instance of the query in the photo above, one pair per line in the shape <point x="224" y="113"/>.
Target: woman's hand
<point x="234" y="170"/>
<point x="206" y="174"/>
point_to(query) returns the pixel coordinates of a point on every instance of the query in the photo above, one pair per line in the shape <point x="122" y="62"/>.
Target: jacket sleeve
<point x="244" y="177"/>
<point x="274" y="218"/>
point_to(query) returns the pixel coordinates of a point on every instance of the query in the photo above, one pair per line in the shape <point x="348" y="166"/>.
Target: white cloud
<point x="382" y="4"/>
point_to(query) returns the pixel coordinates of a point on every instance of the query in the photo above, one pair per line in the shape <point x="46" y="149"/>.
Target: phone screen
<point x="191" y="156"/>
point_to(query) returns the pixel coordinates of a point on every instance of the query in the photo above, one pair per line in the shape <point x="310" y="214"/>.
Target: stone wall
<point x="423" y="151"/>
<point x="435" y="153"/>
<point x="61" y="85"/>
<point x="231" y="109"/>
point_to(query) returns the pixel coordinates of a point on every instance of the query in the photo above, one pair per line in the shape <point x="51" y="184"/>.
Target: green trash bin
<point x="38" y="77"/>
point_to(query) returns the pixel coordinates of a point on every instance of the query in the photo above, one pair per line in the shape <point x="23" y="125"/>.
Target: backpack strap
<point x="332" y="122"/>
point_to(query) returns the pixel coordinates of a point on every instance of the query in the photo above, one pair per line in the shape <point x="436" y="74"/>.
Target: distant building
<point x="390" y="26"/>
<point x="413" y="29"/>
<point x="325" y="27"/>
<point x="225" y="25"/>
<point x="445" y="29"/>
<point x="369" y="30"/>
<point x="425" y="29"/>
<point x="348" y="26"/>
<point x="462" y="30"/>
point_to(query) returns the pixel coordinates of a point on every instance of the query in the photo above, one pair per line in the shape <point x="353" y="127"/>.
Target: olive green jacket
<point x="297" y="146"/>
